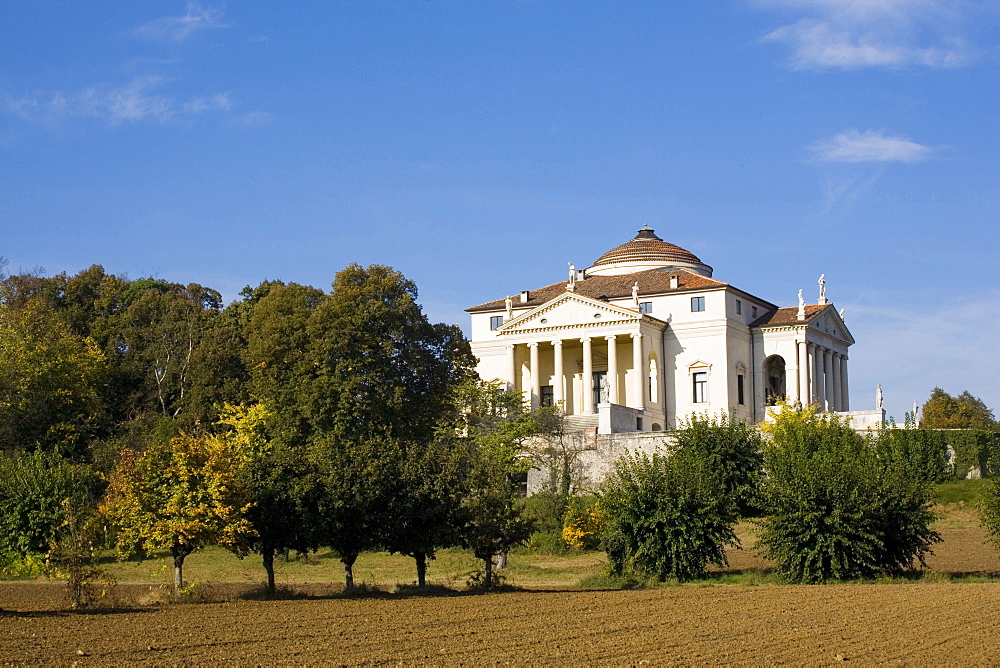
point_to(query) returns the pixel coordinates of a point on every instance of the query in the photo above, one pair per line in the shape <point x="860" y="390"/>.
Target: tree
<point x="178" y="496"/>
<point x="667" y="515"/>
<point x="50" y="382"/>
<point x="943" y="411"/>
<point x="838" y="506"/>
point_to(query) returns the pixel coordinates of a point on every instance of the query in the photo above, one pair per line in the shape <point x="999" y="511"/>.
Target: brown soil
<point x="911" y="623"/>
<point x="923" y="624"/>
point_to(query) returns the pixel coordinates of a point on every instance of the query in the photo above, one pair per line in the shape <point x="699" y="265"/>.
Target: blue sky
<point x="480" y="146"/>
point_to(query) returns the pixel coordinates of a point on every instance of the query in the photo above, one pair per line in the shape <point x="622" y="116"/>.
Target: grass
<point x="960" y="492"/>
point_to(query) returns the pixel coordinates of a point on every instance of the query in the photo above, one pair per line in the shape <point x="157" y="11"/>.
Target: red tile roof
<point x="789" y="315"/>
<point x="651" y="282"/>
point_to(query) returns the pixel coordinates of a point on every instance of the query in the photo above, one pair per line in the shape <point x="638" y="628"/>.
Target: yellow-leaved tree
<point x="179" y="496"/>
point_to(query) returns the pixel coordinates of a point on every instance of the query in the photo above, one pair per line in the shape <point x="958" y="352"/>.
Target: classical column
<point x="612" y="369"/>
<point x="557" y="363"/>
<point x="819" y="387"/>
<point x="511" y="367"/>
<point x="835" y="362"/>
<point x="803" y="374"/>
<point x="845" y="402"/>
<point x="828" y="374"/>
<point x="640" y="372"/>
<point x="588" y="378"/>
<point x="536" y="377"/>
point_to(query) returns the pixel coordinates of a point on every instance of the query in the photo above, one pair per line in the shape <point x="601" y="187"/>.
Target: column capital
<point x="611" y="337"/>
<point x="585" y="339"/>
<point x="533" y="344"/>
<point x="636" y="335"/>
<point x="556" y="342"/>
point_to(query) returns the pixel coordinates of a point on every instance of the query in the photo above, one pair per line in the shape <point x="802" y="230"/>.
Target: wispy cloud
<point x="179" y="28"/>
<point x="868" y="146"/>
<point x="137" y="100"/>
<point x="852" y="34"/>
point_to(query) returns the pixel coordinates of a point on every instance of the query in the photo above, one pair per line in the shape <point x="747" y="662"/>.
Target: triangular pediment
<point x="829" y="322"/>
<point x="570" y="310"/>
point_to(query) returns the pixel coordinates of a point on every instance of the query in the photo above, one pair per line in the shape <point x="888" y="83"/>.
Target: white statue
<point x="841" y="313"/>
<point x="635" y="294"/>
<point x="802" y="301"/>
<point x="509" y="303"/>
<point x="801" y="313"/>
<point x="878" y="397"/>
<point x="822" y="289"/>
<point x="572" y="277"/>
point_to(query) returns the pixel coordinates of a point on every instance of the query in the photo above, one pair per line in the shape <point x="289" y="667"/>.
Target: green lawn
<point x="964" y="492"/>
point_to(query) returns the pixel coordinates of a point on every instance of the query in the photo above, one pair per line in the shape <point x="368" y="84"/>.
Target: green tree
<point x="733" y="449"/>
<point x="943" y="411"/>
<point x="838" y="506"/>
<point x="179" y="496"/>
<point x="50" y="382"/>
<point x="667" y="515"/>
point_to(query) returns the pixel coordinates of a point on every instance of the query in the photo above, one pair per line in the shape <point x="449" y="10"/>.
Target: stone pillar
<point x="511" y="367"/>
<point x="557" y="363"/>
<point x="828" y="375"/>
<point x="612" y="369"/>
<point x="835" y="361"/>
<point x="803" y="374"/>
<point x="640" y="372"/>
<point x="536" y="384"/>
<point x="845" y="402"/>
<point x="588" y="378"/>
<point x="819" y="387"/>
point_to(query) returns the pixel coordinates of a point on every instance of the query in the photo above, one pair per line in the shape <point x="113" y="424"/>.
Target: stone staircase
<point x="581" y="423"/>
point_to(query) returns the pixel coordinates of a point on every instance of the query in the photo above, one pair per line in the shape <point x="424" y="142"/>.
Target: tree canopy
<point x="943" y="411"/>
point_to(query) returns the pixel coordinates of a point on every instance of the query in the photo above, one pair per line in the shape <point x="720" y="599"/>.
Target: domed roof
<point x="647" y="250"/>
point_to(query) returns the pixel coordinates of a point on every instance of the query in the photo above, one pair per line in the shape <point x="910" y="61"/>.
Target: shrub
<point x="990" y="507"/>
<point x="732" y="449"/>
<point x="582" y="523"/>
<point x="925" y="451"/>
<point x="838" y="506"/>
<point x="667" y="516"/>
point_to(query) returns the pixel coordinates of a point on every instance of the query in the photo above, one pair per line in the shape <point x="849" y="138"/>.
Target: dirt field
<point x="912" y="624"/>
<point x="922" y="624"/>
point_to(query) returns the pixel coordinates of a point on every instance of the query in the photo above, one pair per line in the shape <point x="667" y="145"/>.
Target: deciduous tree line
<point x="291" y="419"/>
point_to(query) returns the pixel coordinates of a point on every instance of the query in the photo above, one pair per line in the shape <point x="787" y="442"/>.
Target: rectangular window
<point x="739" y="307"/>
<point x="700" y="382"/>
<point x="739" y="389"/>
<point x="753" y="312"/>
<point x="638" y="423"/>
<point x="645" y="307"/>
<point x="496" y="321"/>
<point x="548" y="396"/>
<point x="697" y="303"/>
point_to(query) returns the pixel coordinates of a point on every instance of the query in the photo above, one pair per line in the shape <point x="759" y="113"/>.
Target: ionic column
<point x="835" y="361"/>
<point x="511" y="367"/>
<point x="557" y="363"/>
<point x="845" y="402"/>
<point x="536" y="385"/>
<point x="640" y="372"/>
<point x="588" y="378"/>
<point x="803" y="373"/>
<point x="819" y="388"/>
<point x="612" y="369"/>
<point x="828" y="375"/>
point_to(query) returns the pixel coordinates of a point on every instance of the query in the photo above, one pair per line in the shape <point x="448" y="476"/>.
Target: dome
<point x="647" y="251"/>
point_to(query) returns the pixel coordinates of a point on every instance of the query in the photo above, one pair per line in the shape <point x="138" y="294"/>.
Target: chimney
<point x="675" y="282"/>
<point x="524" y="296"/>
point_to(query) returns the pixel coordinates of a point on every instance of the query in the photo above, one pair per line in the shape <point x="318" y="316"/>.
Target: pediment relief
<point x="830" y="323"/>
<point x="569" y="310"/>
<point x="698" y="365"/>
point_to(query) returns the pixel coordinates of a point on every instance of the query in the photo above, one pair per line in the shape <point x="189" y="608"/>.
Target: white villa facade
<point x="646" y="336"/>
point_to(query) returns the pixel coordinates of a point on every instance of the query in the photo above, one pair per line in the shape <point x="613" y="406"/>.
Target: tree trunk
<point x="178" y="554"/>
<point x="488" y="582"/>
<point x="421" y="559"/>
<point x="348" y="561"/>
<point x="268" y="557"/>
<point x="501" y="560"/>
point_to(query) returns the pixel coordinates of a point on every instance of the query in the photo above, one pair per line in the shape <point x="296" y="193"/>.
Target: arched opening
<point x="654" y="380"/>
<point x="657" y="427"/>
<point x="774" y="380"/>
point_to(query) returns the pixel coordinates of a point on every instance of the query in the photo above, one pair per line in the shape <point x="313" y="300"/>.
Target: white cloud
<point x="852" y="34"/>
<point x="868" y="146"/>
<point x="134" y="101"/>
<point x="179" y="28"/>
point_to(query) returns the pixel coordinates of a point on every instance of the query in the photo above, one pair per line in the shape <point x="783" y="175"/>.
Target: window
<point x="753" y="311"/>
<point x="697" y="303"/>
<point x="739" y="307"/>
<point x="645" y="307"/>
<point x="700" y="382"/>
<point x="638" y="423"/>
<point x="548" y="397"/>
<point x="739" y="389"/>
<point x="496" y="321"/>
